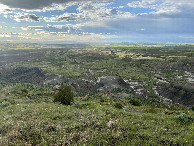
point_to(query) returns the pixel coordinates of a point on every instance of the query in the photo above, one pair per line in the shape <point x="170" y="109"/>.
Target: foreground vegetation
<point x="31" y="112"/>
<point x="93" y="121"/>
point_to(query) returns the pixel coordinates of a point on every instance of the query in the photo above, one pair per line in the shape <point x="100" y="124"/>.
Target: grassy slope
<point x="92" y="122"/>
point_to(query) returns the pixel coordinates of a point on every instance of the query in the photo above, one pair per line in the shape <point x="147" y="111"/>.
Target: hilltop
<point x="125" y="94"/>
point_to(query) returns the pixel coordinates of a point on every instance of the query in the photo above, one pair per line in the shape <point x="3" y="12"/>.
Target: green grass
<point x="91" y="122"/>
<point x="145" y="61"/>
<point x="97" y="120"/>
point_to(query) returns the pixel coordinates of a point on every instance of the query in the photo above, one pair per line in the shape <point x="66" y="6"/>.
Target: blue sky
<point x="64" y="21"/>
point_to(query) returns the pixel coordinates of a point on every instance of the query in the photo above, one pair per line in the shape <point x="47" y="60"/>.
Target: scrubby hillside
<point x="93" y="121"/>
<point x="123" y="95"/>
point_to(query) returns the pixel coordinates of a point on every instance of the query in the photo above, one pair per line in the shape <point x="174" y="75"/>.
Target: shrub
<point x="192" y="108"/>
<point x="5" y="103"/>
<point x="152" y="109"/>
<point x="102" y="99"/>
<point x="64" y="95"/>
<point x="135" y="102"/>
<point x="184" y="118"/>
<point x="118" y="105"/>
<point x="25" y="91"/>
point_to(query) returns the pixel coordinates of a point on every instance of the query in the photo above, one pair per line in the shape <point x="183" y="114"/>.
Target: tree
<point x="64" y="95"/>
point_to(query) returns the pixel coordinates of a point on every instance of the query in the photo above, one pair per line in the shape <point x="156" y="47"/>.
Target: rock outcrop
<point x="111" y="82"/>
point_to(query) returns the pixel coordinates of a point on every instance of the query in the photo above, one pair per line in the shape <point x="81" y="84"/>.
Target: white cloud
<point x="26" y="17"/>
<point x="97" y="23"/>
<point x="67" y="28"/>
<point x="66" y="17"/>
<point x="4" y="9"/>
<point x="97" y="10"/>
<point x="153" y="4"/>
<point x="55" y="6"/>
<point x="167" y="17"/>
<point x="33" y="28"/>
<point x="87" y="11"/>
<point x="55" y="36"/>
<point x="57" y="26"/>
<point x="164" y="6"/>
<point x="170" y="18"/>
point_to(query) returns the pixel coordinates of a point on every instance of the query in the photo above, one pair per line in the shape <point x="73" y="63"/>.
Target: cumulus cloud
<point x="97" y="10"/>
<point x="164" y="17"/>
<point x="4" y="9"/>
<point x="66" y="17"/>
<point x="55" y="6"/>
<point x="26" y="17"/>
<point x="87" y="11"/>
<point x="57" y="26"/>
<point x="164" y="6"/>
<point x="153" y="4"/>
<point x="7" y="11"/>
<point x="36" y="4"/>
<point x="170" y="18"/>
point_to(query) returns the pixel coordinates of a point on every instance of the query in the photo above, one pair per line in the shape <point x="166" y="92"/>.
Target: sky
<point x="64" y="21"/>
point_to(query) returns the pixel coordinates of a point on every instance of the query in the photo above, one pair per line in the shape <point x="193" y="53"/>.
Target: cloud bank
<point x="37" y="4"/>
<point x="26" y="17"/>
<point x="143" y="20"/>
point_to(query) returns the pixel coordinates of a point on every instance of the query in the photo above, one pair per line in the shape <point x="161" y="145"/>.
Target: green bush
<point x="135" y="102"/>
<point x="24" y="91"/>
<point x="192" y="108"/>
<point x="184" y="118"/>
<point x="102" y="99"/>
<point x="118" y="105"/>
<point x="64" y="95"/>
<point x="152" y="109"/>
<point x="5" y="103"/>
